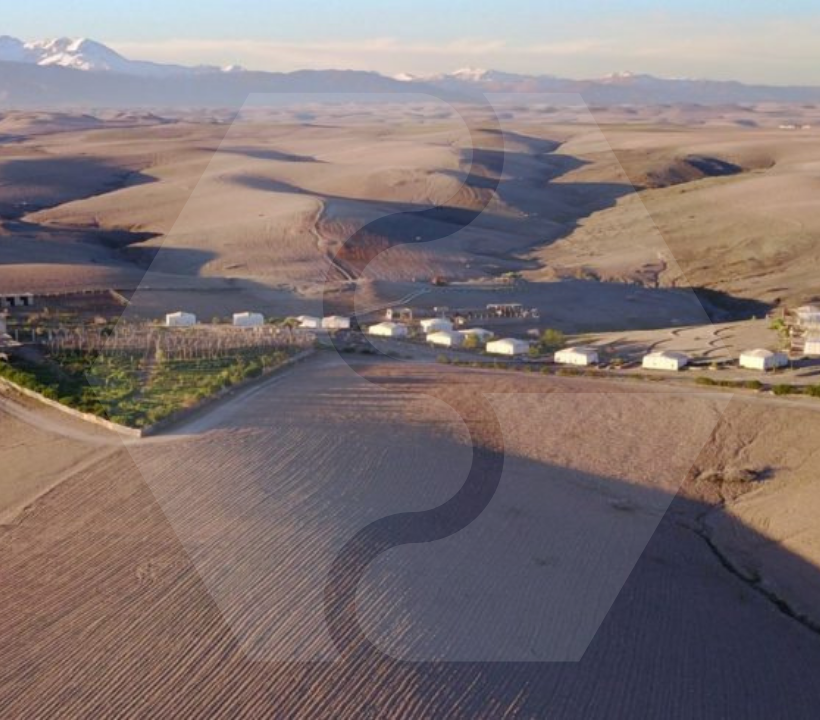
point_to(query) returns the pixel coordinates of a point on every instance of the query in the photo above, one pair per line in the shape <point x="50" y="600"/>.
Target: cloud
<point x="752" y="49"/>
<point x="368" y="54"/>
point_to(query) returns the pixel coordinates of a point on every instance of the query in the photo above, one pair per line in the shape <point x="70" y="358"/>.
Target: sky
<point x="747" y="40"/>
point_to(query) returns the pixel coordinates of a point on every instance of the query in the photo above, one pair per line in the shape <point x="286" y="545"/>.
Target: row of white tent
<point x="243" y="319"/>
<point x="331" y="322"/>
<point x="440" y="332"/>
<point x="758" y="359"/>
<point x="252" y="319"/>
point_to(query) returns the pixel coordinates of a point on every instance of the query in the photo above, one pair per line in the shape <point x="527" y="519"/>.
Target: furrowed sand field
<point x="186" y="573"/>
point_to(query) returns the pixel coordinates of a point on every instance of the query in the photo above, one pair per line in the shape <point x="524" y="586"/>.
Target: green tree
<point x="552" y="339"/>
<point x="471" y="342"/>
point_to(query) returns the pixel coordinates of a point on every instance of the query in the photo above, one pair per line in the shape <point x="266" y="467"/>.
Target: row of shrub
<point x="736" y="384"/>
<point x="784" y="389"/>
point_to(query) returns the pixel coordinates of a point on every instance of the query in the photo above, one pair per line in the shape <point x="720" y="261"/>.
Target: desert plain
<point x="650" y="546"/>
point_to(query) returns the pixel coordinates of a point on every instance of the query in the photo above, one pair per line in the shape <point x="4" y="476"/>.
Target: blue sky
<point x="752" y="40"/>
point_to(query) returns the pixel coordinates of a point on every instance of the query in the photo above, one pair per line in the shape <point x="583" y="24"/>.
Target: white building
<point x="808" y="314"/>
<point x="336" y="322"/>
<point x="14" y="301"/>
<point x="180" y="319"/>
<point x="665" y="360"/>
<point x="508" y="346"/>
<point x="433" y="325"/>
<point x="812" y="347"/>
<point x="763" y="360"/>
<point x="446" y="339"/>
<point x="248" y="320"/>
<point x="404" y="314"/>
<point x="577" y="356"/>
<point x="308" y="322"/>
<point x="388" y="329"/>
<point x="480" y="333"/>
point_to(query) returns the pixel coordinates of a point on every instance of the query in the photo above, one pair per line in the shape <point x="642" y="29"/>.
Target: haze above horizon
<point x="751" y="41"/>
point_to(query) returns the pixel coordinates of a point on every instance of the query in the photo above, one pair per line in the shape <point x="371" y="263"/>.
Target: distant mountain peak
<point x="90" y="55"/>
<point x="76" y="71"/>
<point x="471" y="74"/>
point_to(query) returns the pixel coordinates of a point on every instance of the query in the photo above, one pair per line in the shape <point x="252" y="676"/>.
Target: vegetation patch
<point x="137" y="391"/>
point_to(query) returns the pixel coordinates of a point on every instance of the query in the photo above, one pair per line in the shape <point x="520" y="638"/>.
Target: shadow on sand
<point x="688" y="634"/>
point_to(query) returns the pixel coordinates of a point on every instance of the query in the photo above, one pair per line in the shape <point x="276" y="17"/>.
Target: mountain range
<point x="82" y="72"/>
<point x="89" y="55"/>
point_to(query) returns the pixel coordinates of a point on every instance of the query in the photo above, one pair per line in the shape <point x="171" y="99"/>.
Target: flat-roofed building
<point x="16" y="301"/>
<point x="336" y="322"/>
<point x="808" y="315"/>
<point x="508" y="346"/>
<point x="180" y="319"/>
<point x="309" y="322"/>
<point x="582" y="356"/>
<point x="446" y="338"/>
<point x="432" y="325"/>
<point x="812" y="347"/>
<point x="665" y="360"/>
<point x="248" y="320"/>
<point x="388" y="329"/>
<point x="404" y="314"/>
<point x="760" y="359"/>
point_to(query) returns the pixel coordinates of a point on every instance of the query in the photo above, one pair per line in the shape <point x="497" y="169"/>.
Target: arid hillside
<point x="366" y="202"/>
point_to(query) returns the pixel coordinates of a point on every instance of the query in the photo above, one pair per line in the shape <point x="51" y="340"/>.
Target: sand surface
<point x="184" y="574"/>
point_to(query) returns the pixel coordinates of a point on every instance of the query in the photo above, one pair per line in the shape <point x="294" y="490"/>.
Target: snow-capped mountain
<point x="88" y="55"/>
<point x="467" y="75"/>
<point x="620" y="88"/>
<point x="76" y="72"/>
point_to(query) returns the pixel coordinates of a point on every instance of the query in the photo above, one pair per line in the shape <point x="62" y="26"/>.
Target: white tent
<point x="577" y="356"/>
<point x="248" y="320"/>
<point x="308" y="322"/>
<point x="336" y="322"/>
<point x="812" y="347"/>
<point x="808" y="314"/>
<point x="480" y="333"/>
<point x="763" y="360"/>
<point x="388" y="329"/>
<point x="508" y="346"/>
<point x="665" y="360"/>
<point x="180" y="319"/>
<point x="446" y="339"/>
<point x="431" y="325"/>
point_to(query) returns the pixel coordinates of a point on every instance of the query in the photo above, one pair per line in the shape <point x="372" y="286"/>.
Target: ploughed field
<point x="194" y="573"/>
